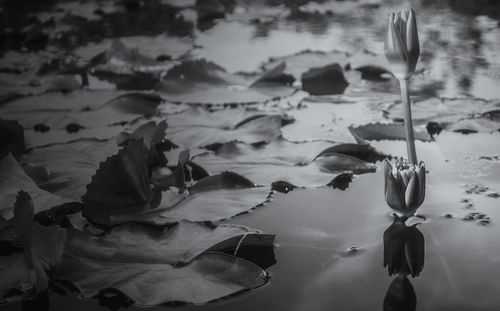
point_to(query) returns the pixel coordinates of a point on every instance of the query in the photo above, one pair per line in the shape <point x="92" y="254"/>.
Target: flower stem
<point x="410" y="139"/>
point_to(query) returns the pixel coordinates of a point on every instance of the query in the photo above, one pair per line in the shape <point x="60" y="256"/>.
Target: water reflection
<point x="404" y="254"/>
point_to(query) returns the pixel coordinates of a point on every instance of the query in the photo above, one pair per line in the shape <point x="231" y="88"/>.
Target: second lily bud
<point x="404" y="186"/>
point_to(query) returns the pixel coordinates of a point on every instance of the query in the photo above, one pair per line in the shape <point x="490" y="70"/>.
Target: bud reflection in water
<point x="404" y="253"/>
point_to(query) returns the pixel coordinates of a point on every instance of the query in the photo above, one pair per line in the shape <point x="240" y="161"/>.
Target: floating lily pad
<point x="11" y="138"/>
<point x="322" y="120"/>
<point x="151" y="266"/>
<point x="14" y="179"/>
<point x="69" y="175"/>
<point x="324" y="80"/>
<point x="299" y="63"/>
<point x="208" y="277"/>
<point x="198" y="128"/>
<point x="24" y="74"/>
<point x="129" y="51"/>
<point x="283" y="161"/>
<point x="22" y="273"/>
<point x="379" y="131"/>
<point x="88" y="117"/>
<point x="121" y="186"/>
<point x="203" y="82"/>
<point x="175" y="246"/>
<point x="465" y="115"/>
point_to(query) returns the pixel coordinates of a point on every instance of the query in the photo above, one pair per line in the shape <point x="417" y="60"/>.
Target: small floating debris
<point x="494" y="195"/>
<point x="475" y="188"/>
<point x="481" y="218"/>
<point x="350" y="251"/>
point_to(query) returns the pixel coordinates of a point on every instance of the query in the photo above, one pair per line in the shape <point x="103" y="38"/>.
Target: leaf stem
<point x="410" y="139"/>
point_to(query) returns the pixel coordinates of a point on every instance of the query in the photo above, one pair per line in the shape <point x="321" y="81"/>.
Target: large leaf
<point x="25" y="74"/>
<point x="153" y="266"/>
<point x="283" y="161"/>
<point x="178" y="245"/>
<point x="23" y="274"/>
<point x="135" y="54"/>
<point x="464" y="115"/>
<point x="14" y="179"/>
<point x="198" y="128"/>
<point x="208" y="277"/>
<point x="71" y="123"/>
<point x="70" y="166"/>
<point x="201" y="82"/>
<point x="216" y="198"/>
<point x="11" y="137"/>
<point x="324" y="119"/>
<point x="380" y="131"/>
<point x="120" y="185"/>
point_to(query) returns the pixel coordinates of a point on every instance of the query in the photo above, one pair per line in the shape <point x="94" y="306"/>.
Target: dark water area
<point x="213" y="70"/>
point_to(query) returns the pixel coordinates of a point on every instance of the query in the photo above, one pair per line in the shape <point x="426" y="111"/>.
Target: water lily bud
<point x="404" y="186"/>
<point x="401" y="44"/>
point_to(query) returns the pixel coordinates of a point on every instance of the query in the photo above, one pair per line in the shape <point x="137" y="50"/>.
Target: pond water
<point x="329" y="243"/>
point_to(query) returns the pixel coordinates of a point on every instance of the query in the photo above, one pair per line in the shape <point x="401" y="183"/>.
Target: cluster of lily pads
<point x="121" y="158"/>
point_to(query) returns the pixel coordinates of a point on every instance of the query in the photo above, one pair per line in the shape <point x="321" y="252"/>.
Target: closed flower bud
<point x="404" y="186"/>
<point x="401" y="44"/>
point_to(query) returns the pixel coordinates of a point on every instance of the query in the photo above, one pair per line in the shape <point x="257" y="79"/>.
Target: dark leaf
<point x="120" y="186"/>
<point x="379" y="131"/>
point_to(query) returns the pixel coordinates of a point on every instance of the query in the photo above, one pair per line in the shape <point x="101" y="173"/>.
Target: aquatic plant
<point x="405" y="181"/>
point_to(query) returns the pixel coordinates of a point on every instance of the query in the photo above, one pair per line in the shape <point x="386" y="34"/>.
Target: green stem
<point x="410" y="139"/>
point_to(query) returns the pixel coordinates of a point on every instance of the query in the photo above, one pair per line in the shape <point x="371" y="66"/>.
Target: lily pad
<point x="380" y="131"/>
<point x="199" y="128"/>
<point x="89" y="117"/>
<point x="175" y="246"/>
<point x="203" y="82"/>
<point x="150" y="47"/>
<point x="208" y="277"/>
<point x="11" y="137"/>
<point x="120" y="186"/>
<point x="68" y="175"/>
<point x="152" y="266"/>
<point x="466" y="115"/>
<point x="284" y="161"/>
<point x="323" y="120"/>
<point x="41" y="246"/>
<point x="14" y="179"/>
